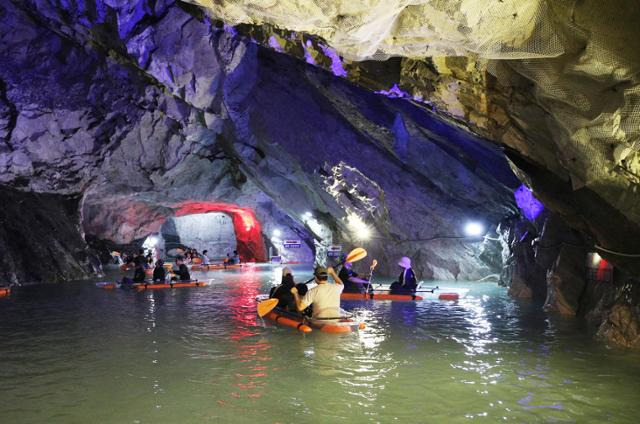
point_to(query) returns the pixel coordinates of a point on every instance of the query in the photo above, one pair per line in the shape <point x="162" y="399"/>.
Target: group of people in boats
<point x="160" y="275"/>
<point x="323" y="300"/>
<point x="180" y="272"/>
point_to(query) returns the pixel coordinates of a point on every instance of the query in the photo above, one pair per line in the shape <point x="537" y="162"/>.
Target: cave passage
<point x="219" y="227"/>
<point x="482" y="157"/>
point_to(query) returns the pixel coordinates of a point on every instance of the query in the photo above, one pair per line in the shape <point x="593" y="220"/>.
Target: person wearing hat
<point x="325" y="297"/>
<point x="283" y="293"/>
<point x="352" y="282"/>
<point x="406" y="283"/>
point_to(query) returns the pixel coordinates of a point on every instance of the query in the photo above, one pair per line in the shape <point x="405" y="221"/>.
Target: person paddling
<point x="407" y="283"/>
<point x="324" y="297"/>
<point x="352" y="282"/>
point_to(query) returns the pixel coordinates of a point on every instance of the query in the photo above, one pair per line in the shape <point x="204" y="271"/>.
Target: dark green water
<point x="77" y="354"/>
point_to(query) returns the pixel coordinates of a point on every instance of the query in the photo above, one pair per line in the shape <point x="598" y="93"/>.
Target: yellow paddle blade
<point x="266" y="306"/>
<point x="356" y="254"/>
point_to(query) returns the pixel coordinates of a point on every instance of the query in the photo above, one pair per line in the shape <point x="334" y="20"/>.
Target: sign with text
<point x="291" y="244"/>
<point x="334" y="251"/>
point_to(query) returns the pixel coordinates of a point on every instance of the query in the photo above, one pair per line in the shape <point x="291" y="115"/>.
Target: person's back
<point x="325" y="297"/>
<point x="183" y="273"/>
<point x="283" y="293"/>
<point x="138" y="273"/>
<point x="205" y="258"/>
<point x="159" y="274"/>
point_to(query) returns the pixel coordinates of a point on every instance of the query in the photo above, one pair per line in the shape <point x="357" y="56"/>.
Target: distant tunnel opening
<point x="217" y="227"/>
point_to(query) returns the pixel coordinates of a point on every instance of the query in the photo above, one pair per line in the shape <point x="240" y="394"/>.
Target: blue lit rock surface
<point x="138" y="106"/>
<point x="166" y="116"/>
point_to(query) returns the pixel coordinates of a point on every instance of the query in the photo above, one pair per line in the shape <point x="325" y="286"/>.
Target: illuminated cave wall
<point x="213" y="231"/>
<point x="248" y="231"/>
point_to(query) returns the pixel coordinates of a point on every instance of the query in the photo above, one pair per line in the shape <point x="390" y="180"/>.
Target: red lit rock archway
<point x="248" y="231"/>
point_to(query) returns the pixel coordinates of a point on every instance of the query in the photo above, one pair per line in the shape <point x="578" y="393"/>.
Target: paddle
<point x="354" y="256"/>
<point x="267" y="306"/>
<point x="374" y="264"/>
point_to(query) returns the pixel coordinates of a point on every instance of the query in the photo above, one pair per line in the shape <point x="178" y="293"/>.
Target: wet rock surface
<point x="40" y="241"/>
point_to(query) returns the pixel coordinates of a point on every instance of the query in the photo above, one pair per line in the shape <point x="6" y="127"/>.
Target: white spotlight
<point x="277" y="233"/>
<point x="474" y="229"/>
<point x="359" y="229"/>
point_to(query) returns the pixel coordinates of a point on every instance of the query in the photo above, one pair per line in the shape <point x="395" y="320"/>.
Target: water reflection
<point x="202" y="355"/>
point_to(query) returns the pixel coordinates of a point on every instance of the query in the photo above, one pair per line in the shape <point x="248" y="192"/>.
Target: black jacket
<point x="283" y="294"/>
<point x="183" y="273"/>
<point x="159" y="274"/>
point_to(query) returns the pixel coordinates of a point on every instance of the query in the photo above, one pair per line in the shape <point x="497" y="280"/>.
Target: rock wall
<point x="40" y="239"/>
<point x="156" y="117"/>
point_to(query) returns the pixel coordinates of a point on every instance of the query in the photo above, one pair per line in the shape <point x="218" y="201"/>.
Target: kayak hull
<point x="214" y="267"/>
<point x="172" y="285"/>
<point x="379" y="296"/>
<point x="451" y="294"/>
<point x="339" y="325"/>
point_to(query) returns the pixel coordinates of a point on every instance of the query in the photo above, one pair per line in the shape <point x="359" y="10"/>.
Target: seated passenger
<point x="406" y="283"/>
<point x="138" y="273"/>
<point x="159" y="274"/>
<point x="235" y="259"/>
<point x="205" y="258"/>
<point x="182" y="273"/>
<point x="325" y="297"/>
<point x="283" y="293"/>
<point x="352" y="283"/>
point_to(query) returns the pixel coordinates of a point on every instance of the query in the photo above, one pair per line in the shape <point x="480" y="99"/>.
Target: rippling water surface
<point x="76" y="353"/>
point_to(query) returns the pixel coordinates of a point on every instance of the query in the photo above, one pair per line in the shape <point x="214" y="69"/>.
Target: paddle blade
<point x="356" y="254"/>
<point x="374" y="264"/>
<point x="266" y="306"/>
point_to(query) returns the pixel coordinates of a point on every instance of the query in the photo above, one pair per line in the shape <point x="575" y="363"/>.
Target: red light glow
<point x="247" y="227"/>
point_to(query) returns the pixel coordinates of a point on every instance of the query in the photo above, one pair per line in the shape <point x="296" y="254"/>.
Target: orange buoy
<point x="5" y="291"/>
<point x="449" y="296"/>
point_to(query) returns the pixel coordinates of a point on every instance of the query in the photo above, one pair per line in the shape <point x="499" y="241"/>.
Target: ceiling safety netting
<point x="378" y="29"/>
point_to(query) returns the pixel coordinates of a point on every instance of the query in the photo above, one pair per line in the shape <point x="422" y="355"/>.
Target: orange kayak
<point x="172" y="285"/>
<point x="379" y="296"/>
<point x="214" y="267"/>
<point x="305" y="325"/>
<point x="107" y="285"/>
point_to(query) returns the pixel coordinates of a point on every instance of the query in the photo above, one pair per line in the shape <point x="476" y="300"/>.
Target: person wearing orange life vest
<point x="325" y="297"/>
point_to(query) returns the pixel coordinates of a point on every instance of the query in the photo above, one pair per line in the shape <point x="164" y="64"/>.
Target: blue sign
<point x="334" y="251"/>
<point x="292" y="244"/>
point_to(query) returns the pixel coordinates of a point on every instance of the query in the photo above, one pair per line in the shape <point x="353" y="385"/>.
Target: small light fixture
<point x="359" y="229"/>
<point x="474" y="229"/>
